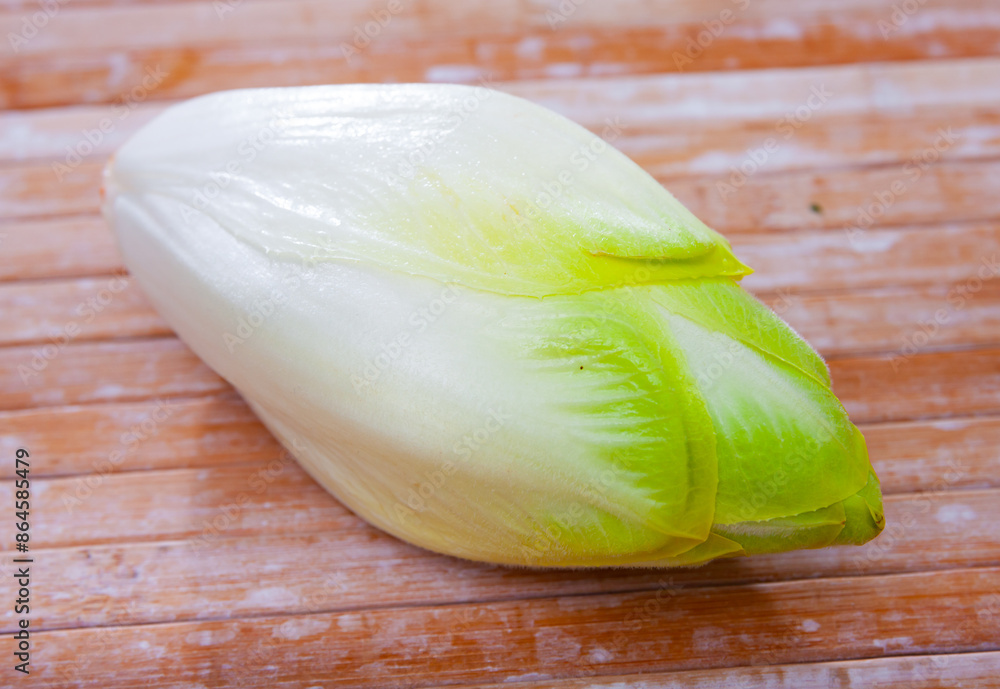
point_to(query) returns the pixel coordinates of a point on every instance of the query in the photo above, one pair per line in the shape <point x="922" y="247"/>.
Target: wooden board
<point x="175" y="544"/>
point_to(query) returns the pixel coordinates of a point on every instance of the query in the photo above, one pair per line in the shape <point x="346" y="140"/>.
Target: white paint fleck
<point x="452" y="73"/>
<point x="709" y="639"/>
<point x="273" y="597"/>
<point x="951" y="425"/>
<point x="349" y="623"/>
<point x="809" y="625"/>
<point x="109" y="390"/>
<point x="870" y="243"/>
<point x="955" y="514"/>
<point x="297" y="628"/>
<point x="555" y="645"/>
<point x="531" y="676"/>
<point x="118" y="68"/>
<point x="531" y="48"/>
<point x="895" y="643"/>
<point x="783" y="28"/>
<point x="563" y="70"/>
<point x="208" y="637"/>
<point x="600" y="655"/>
<point x="580" y="42"/>
<point x="605" y="68"/>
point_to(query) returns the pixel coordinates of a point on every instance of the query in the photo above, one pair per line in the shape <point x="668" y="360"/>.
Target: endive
<point x="485" y="330"/>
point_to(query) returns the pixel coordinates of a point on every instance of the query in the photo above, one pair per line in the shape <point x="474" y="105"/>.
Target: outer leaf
<point x="584" y="218"/>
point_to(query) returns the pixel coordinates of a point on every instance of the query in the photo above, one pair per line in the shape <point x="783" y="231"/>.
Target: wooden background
<point x="176" y="546"/>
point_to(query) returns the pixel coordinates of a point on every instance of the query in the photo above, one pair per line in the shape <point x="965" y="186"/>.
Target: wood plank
<point x="199" y="504"/>
<point x="661" y="102"/>
<point x="883" y="320"/>
<point x="897" y="320"/>
<point x="222" y="431"/>
<point x="694" y="147"/>
<point x="935" y="455"/>
<point x="923" y="385"/>
<point x="138" y="436"/>
<point x="670" y="629"/>
<point x="872" y="388"/>
<point x="37" y="191"/>
<point x="718" y="150"/>
<point x="305" y="566"/>
<point x="74" y="373"/>
<point x="58" y="133"/>
<point x="956" y="670"/>
<point x="798" y="263"/>
<point x="576" y="48"/>
<point x="66" y="247"/>
<point x="852" y="200"/>
<point x="708" y="148"/>
<point x="88" y="308"/>
<point x="953" y="254"/>
<point x="190" y="25"/>
<point x="878" y="99"/>
<point x="949" y="191"/>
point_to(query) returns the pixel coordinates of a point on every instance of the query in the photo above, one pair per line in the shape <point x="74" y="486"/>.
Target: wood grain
<point x="72" y="373"/>
<point x="93" y="308"/>
<point x="955" y="257"/>
<point x="177" y="544"/>
<point x="329" y="560"/>
<point x="570" y="636"/>
<point x="877" y="98"/>
<point x="880" y="320"/>
<point x="951" y="254"/>
<point x="906" y="386"/>
<point x="219" y="52"/>
<point x="852" y="201"/>
<point x="176" y="433"/>
<point x="64" y="247"/>
<point x="962" y="671"/>
<point x="935" y="455"/>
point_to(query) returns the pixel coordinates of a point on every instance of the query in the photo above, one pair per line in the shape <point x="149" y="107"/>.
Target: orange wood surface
<point x="177" y="545"/>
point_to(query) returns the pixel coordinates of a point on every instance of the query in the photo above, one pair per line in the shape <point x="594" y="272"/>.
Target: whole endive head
<point x="484" y="329"/>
